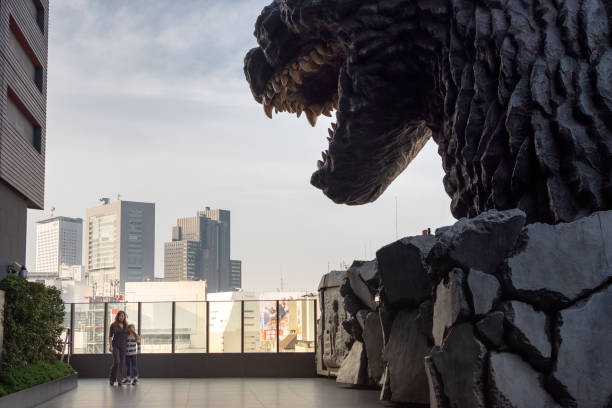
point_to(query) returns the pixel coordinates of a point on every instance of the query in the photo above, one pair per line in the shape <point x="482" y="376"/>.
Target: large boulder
<point x="402" y="271"/>
<point x="514" y="384"/>
<point x="481" y="242"/>
<point x="354" y="368"/>
<point x="451" y="304"/>
<point x="491" y="329"/>
<point x="373" y="340"/>
<point x="485" y="290"/>
<point x="584" y="362"/>
<point x="437" y="399"/>
<point x="404" y="353"/>
<point x="562" y="262"/>
<point x="359" y="288"/>
<point x="460" y="362"/>
<point x="527" y="332"/>
<point x="368" y="271"/>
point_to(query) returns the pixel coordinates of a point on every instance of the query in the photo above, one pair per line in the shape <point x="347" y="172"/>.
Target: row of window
<point x="17" y="114"/>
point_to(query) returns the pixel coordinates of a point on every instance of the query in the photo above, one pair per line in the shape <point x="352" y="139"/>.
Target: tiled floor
<point x="217" y="393"/>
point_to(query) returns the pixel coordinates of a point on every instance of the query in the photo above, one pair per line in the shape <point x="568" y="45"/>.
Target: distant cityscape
<point x="120" y="249"/>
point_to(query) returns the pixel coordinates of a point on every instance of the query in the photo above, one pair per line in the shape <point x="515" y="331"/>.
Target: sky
<point x="147" y="99"/>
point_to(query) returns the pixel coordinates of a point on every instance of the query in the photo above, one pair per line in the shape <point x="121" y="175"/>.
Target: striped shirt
<point x="133" y="347"/>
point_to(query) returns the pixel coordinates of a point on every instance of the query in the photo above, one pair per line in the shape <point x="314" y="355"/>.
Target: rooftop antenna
<point x="52" y="211"/>
<point x="104" y="200"/>
<point x="118" y="197"/>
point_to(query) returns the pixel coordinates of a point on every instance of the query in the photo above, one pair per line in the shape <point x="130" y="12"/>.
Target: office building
<point x="59" y="242"/>
<point x="235" y="274"/>
<point x="200" y="250"/>
<point x="120" y="245"/>
<point x="23" y="101"/>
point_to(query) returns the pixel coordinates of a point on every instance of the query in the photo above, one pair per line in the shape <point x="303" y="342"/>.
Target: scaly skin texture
<point x="516" y="93"/>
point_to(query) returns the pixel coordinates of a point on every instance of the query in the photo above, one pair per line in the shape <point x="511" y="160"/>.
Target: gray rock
<point x="485" y="291"/>
<point x="402" y="270"/>
<point x="360" y="289"/>
<point x="386" y="321"/>
<point x="460" y="363"/>
<point x="368" y="271"/>
<point x="514" y="384"/>
<point x="491" y="328"/>
<point x="437" y="399"/>
<point x="351" y="303"/>
<point x="584" y="361"/>
<point x="451" y="305"/>
<point x="425" y="319"/>
<point x="332" y="279"/>
<point x="527" y="332"/>
<point x="385" y="382"/>
<point x="361" y="317"/>
<point x="561" y="262"/>
<point x="404" y="353"/>
<point x="354" y="367"/>
<point x="481" y="242"/>
<point x="353" y="328"/>
<point x="373" y="340"/>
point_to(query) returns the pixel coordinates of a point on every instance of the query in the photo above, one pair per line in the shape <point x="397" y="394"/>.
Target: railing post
<point x="71" y="329"/>
<point x="105" y="327"/>
<point x="173" y="325"/>
<point x="139" y="318"/>
<point x="242" y="326"/>
<point x="277" y="326"/>
<point x="207" y="327"/>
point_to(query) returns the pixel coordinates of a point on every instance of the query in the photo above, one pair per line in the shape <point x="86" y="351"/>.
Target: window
<point x="22" y="121"/>
<point x="24" y="54"/>
<point x="38" y="12"/>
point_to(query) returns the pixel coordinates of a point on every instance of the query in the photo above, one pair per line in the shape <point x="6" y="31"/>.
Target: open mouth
<point x="307" y="84"/>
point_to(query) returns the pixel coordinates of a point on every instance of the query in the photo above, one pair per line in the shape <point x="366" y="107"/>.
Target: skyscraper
<point x="59" y="241"/>
<point x="120" y="245"/>
<point x="200" y="250"/>
<point x="235" y="274"/>
<point x="23" y="101"/>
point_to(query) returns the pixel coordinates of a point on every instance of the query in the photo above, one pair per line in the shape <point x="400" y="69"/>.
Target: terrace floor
<point x="217" y="393"/>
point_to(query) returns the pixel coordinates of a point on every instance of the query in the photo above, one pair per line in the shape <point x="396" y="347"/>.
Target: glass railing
<point x="249" y="326"/>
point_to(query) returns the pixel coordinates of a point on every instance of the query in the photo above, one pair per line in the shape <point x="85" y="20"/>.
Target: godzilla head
<point x="353" y="59"/>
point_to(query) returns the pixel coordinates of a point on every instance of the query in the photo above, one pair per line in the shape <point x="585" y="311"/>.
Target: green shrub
<point x="33" y="316"/>
<point x="19" y="378"/>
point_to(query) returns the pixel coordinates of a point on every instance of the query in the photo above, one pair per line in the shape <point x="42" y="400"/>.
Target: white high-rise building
<point x="59" y="240"/>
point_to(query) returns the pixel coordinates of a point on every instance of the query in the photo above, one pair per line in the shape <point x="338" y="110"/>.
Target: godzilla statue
<point x="517" y="94"/>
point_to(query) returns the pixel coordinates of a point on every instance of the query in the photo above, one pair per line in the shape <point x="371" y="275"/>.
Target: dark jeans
<point x="118" y="364"/>
<point x="132" y="365"/>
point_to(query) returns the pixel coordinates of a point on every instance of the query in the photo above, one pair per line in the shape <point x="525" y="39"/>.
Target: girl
<point x="118" y="346"/>
<point x="133" y="348"/>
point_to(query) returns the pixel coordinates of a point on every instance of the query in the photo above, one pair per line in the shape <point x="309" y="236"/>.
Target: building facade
<point x="59" y="241"/>
<point x="200" y="250"/>
<point x="120" y="245"/>
<point x="235" y="274"/>
<point x="23" y="102"/>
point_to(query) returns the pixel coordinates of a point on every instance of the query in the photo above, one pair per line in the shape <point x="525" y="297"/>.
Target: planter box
<point x="30" y="397"/>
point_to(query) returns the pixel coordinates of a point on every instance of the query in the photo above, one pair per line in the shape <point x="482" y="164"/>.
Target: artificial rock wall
<point x="489" y="312"/>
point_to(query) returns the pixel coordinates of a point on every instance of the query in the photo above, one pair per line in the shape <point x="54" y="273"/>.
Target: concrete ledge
<point x="38" y="394"/>
<point x="180" y="365"/>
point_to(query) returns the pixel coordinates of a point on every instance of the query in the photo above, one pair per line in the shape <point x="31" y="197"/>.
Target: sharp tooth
<point x="298" y="110"/>
<point x="295" y="75"/>
<point x="284" y="80"/>
<point x="312" y="117"/>
<point x="319" y="164"/>
<point x="326" y="112"/>
<point x="331" y="132"/>
<point x="268" y="110"/>
<point x="329" y="139"/>
<point x="317" y="58"/>
<point x="324" y="156"/>
<point x="316" y="108"/>
<point x="329" y="106"/>
<point x="270" y="92"/>
<point x="308" y="66"/>
<point x="334" y="126"/>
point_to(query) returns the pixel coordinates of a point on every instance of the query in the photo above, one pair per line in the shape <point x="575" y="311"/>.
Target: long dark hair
<point x="116" y="322"/>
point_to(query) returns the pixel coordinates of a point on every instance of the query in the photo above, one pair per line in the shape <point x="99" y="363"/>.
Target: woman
<point x="118" y="346"/>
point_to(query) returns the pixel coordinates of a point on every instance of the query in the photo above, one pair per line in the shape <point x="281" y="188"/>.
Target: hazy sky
<point x="147" y="99"/>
